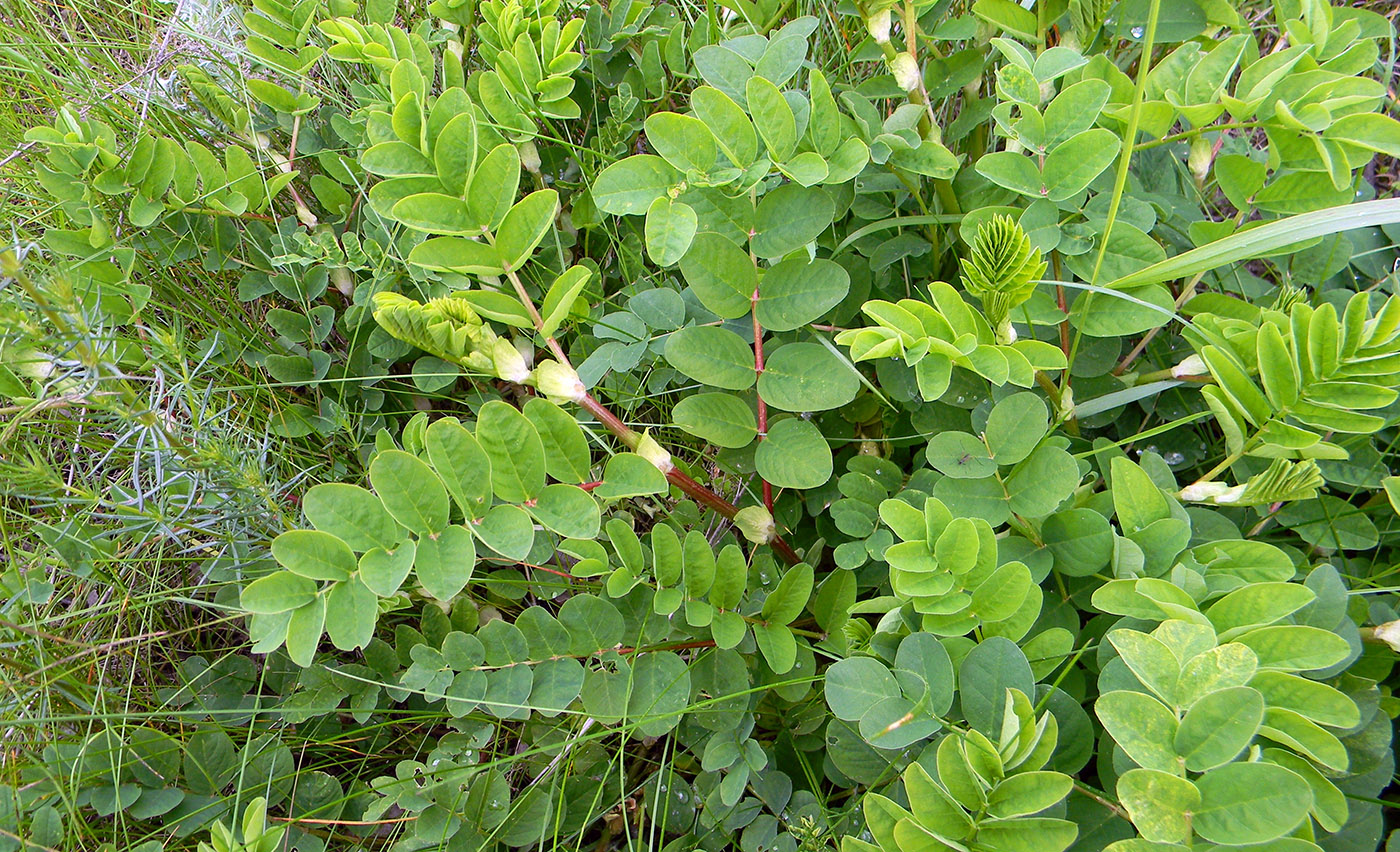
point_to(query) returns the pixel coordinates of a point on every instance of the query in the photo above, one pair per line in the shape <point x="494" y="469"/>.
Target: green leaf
<point x="435" y="213"/>
<point x="525" y="226"/>
<point x="351" y="613"/>
<point x="682" y="140"/>
<point x="1007" y="16"/>
<point x="960" y="455"/>
<point x="787" y="600"/>
<point x="1080" y="539"/>
<point x="660" y="692"/>
<point x="630" y="475"/>
<point x="1219" y="726"/>
<point x="1136" y="498"/>
<point x="1150" y="660"/>
<point x="1295" y="647"/>
<point x="563" y="293"/>
<point x="1319" y="702"/>
<point x="773" y="117"/>
<point x="721" y="274"/>
<point x="924" y="670"/>
<point x="1133" y="311"/>
<point x="1222" y="667"/>
<point x="1000" y="596"/>
<point x="454" y="153"/>
<point x="508" y="530"/>
<point x="724" y="69"/>
<point x="731" y="578"/>
<point x="280" y="591"/>
<point x="807" y="377"/>
<point x="989" y="669"/>
<point x="445" y="561"/>
<point x="1027" y="793"/>
<point x="713" y="356"/>
<point x="789" y="217"/>
<point x="778" y="646"/>
<point x="493" y="187"/>
<point x="723" y="419"/>
<point x="567" y="510"/>
<point x="628" y="187"/>
<point x="351" y="514"/>
<point x="456" y="254"/>
<point x="1243" y="803"/>
<point x="1368" y="130"/>
<point x="796" y="291"/>
<point x="593" y="623"/>
<point x="1012" y="170"/>
<point x="566" y="456"/>
<point x="313" y="555"/>
<point x="794" y="455"/>
<point x="1161" y="805"/>
<point x="1257" y="605"/>
<point x="410" y="490"/>
<point x="807" y="168"/>
<point x="1143" y="726"/>
<point x="1075" y="163"/>
<point x="462" y="464"/>
<point x="727" y="121"/>
<point x="515" y="450"/>
<point x="1042" y="482"/>
<point x="396" y="159"/>
<point x="670" y="227"/>
<point x="700" y="565"/>
<point x="1027" y="834"/>
<point x="383" y="571"/>
<point x="1015" y="426"/>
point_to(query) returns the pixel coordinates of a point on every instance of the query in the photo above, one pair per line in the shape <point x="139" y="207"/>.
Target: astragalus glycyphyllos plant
<point x="914" y="425"/>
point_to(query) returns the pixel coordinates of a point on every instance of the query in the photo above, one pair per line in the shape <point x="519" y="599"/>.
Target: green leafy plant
<point x="895" y="425"/>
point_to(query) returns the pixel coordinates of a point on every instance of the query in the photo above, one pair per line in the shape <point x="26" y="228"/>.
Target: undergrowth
<point x="758" y="424"/>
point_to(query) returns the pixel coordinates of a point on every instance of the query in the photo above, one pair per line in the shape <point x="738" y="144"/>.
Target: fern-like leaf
<point x="1001" y="271"/>
<point x="447" y="328"/>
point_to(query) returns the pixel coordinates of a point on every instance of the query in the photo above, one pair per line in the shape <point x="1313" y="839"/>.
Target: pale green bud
<point x="653" y="452"/>
<point x="558" y="383"/>
<point x="905" y="69"/>
<point x="756" y="524"/>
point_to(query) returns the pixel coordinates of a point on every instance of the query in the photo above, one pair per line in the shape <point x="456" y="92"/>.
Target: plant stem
<point x="762" y="406"/>
<point x="631" y="439"/>
<point x="1188" y="134"/>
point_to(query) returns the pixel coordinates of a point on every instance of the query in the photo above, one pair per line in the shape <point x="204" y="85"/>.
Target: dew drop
<point x="1136" y="32"/>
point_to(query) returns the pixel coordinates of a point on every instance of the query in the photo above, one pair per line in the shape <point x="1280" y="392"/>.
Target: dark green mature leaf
<point x="713" y="356"/>
<point x="795" y="292"/>
<point x="992" y="667"/>
<point x="789" y="217"/>
<point x="806" y="377"/>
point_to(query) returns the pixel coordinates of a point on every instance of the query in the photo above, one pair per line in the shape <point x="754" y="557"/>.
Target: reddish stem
<point x="631" y="439"/>
<point x="762" y="406"/>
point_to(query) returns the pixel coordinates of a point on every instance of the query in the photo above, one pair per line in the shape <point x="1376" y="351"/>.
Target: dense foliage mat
<point x="918" y="426"/>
